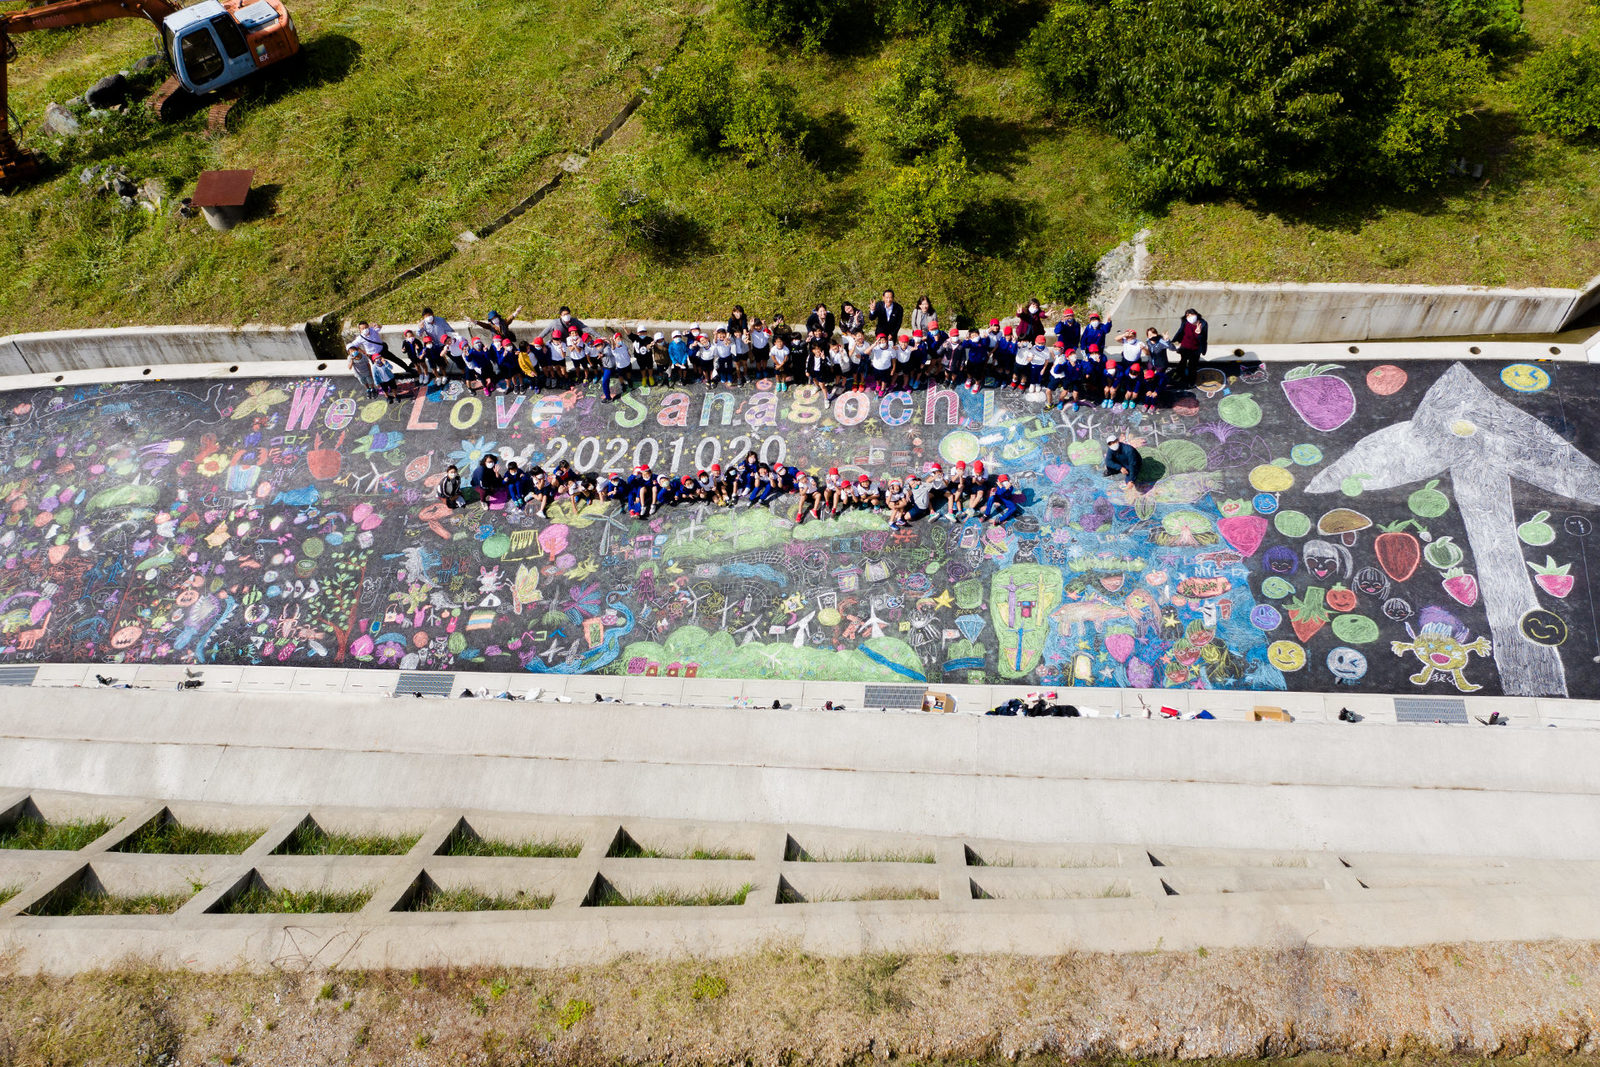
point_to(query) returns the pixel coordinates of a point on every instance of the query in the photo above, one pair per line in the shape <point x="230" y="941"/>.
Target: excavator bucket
<point x="17" y="164"/>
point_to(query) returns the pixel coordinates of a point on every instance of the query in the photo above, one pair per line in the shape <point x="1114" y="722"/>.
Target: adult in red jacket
<point x="1190" y="339"/>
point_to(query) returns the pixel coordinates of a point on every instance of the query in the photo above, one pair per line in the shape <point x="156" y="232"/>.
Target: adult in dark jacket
<point x="1190" y="339"/>
<point x="821" y="319"/>
<point x="486" y="478"/>
<point x="1121" y="458"/>
<point x="888" y="315"/>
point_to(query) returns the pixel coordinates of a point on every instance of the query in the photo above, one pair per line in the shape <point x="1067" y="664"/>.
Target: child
<point x="810" y="496"/>
<point x="1001" y="506"/>
<point x="450" y="488"/>
<point x="881" y="357"/>
<point x="898" y="502"/>
<point x="517" y="485"/>
<point x="834" y="492"/>
<point x="1058" y="377"/>
<point x="383" y="376"/>
<point x="678" y="358"/>
<point x="779" y="355"/>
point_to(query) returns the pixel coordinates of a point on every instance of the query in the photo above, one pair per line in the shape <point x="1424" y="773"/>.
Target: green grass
<point x="259" y="900"/>
<point x="8" y="891"/>
<point x="887" y="892"/>
<point x="174" y="838"/>
<point x="375" y="148"/>
<point x="77" y="902"/>
<point x="863" y="855"/>
<point x="472" y="845"/>
<point x="609" y="897"/>
<point x="473" y="900"/>
<point x="57" y="836"/>
<point x="314" y="841"/>
<point x="629" y="849"/>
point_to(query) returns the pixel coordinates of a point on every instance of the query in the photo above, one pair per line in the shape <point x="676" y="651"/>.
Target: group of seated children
<point x="966" y="492"/>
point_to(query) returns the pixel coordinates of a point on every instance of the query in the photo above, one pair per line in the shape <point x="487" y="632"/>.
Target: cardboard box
<point x="1263" y="713"/>
<point x="934" y="701"/>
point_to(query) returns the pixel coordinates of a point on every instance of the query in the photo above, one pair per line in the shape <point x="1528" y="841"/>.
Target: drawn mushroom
<point x="1344" y="524"/>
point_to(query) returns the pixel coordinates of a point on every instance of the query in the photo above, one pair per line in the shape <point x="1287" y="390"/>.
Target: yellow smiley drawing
<point x="1525" y="378"/>
<point x="1286" y="655"/>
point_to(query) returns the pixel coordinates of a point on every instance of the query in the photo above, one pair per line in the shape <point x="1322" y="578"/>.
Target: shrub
<point x="764" y="121"/>
<point x="631" y="204"/>
<point x="1069" y="276"/>
<point x="700" y="99"/>
<point x="1561" y="89"/>
<point x="812" y="24"/>
<point x="950" y="21"/>
<point x="1495" y="26"/>
<point x="914" y="104"/>
<point x="692" y="98"/>
<point x="1435" y="91"/>
<point x="920" y="205"/>
<point x="1062" y="56"/>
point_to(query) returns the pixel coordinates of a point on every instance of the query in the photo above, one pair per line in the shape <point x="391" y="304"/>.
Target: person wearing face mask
<point x="1190" y="339"/>
<point x="566" y="323"/>
<point x="1032" y="315"/>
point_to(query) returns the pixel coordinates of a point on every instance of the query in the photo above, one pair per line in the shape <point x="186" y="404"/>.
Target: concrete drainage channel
<point x="216" y="887"/>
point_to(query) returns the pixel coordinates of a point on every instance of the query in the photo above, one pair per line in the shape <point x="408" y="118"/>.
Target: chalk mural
<point x="1418" y="528"/>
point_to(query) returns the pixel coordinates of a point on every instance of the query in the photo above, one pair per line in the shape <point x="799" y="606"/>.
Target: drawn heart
<point x="1056" y="472"/>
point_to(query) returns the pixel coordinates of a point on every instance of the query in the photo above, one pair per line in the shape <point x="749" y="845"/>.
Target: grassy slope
<point x="390" y="142"/>
<point x="404" y="124"/>
<point x="559" y="252"/>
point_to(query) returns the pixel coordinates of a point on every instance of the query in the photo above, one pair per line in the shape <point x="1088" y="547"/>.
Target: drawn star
<point x="944" y="599"/>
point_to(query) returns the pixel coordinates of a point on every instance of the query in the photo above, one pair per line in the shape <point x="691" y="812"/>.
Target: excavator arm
<point x="16" y="164"/>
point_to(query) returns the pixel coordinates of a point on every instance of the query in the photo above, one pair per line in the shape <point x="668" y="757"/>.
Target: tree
<point x="1561" y="89"/>
<point x="1064" y="54"/>
<point x="1262" y="98"/>
<point x="914" y="105"/>
<point x="921" y="205"/>
<point x="693" y="99"/>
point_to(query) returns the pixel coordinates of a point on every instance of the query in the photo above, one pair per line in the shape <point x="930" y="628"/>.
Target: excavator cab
<point x="214" y="44"/>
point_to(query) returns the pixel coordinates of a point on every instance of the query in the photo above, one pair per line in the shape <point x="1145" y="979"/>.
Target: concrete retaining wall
<point x="1290" y="313"/>
<point x="150" y="346"/>
<point x="1416" y="790"/>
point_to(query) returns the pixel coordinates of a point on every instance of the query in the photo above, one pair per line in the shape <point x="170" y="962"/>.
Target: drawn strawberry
<point x="1461" y="585"/>
<point x="1398" y="552"/>
<point x="1553" y="579"/>
<point x="1308" y="613"/>
<point x="1323" y="401"/>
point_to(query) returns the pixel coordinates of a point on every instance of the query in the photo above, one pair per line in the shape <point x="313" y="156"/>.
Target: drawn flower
<point x="262" y="396"/>
<point x="212" y="465"/>
<point x="471" y="452"/>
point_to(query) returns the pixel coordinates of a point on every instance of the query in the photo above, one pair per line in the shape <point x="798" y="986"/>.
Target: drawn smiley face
<point x="1525" y="378"/>
<point x="1286" y="656"/>
<point x="1544" y="627"/>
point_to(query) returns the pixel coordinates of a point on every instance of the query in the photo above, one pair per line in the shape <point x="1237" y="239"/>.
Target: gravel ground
<point x="1460" y="1002"/>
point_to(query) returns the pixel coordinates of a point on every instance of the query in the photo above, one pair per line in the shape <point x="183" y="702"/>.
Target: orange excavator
<point x="212" y="45"/>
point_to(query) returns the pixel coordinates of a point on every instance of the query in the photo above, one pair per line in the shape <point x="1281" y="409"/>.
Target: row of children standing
<point x="1065" y="362"/>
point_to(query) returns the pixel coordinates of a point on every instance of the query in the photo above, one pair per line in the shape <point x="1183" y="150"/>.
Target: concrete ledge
<point x="1415" y="790"/>
<point x="150" y="346"/>
<point x="1288" y="312"/>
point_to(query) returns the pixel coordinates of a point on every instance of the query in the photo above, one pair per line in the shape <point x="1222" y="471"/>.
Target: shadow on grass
<point x="829" y="146"/>
<point x="998" y="146"/>
<point x="326" y="59"/>
<point x="995" y="224"/>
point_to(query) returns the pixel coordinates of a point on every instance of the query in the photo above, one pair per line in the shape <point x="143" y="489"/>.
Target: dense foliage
<point x="1561" y="89"/>
<point x="1257" y="97"/>
<point x="914" y="104"/>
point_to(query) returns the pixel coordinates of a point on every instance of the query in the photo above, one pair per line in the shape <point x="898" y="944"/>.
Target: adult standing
<point x="821" y="321"/>
<point x="1190" y="339"/>
<point x="923" y="317"/>
<point x="888" y="315"/>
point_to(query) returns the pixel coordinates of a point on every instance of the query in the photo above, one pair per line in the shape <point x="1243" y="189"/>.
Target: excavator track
<point x="217" y="114"/>
<point x="170" y="101"/>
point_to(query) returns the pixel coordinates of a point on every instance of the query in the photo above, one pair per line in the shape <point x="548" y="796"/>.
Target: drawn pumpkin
<point x="323" y="463"/>
<point x="1340" y="598"/>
